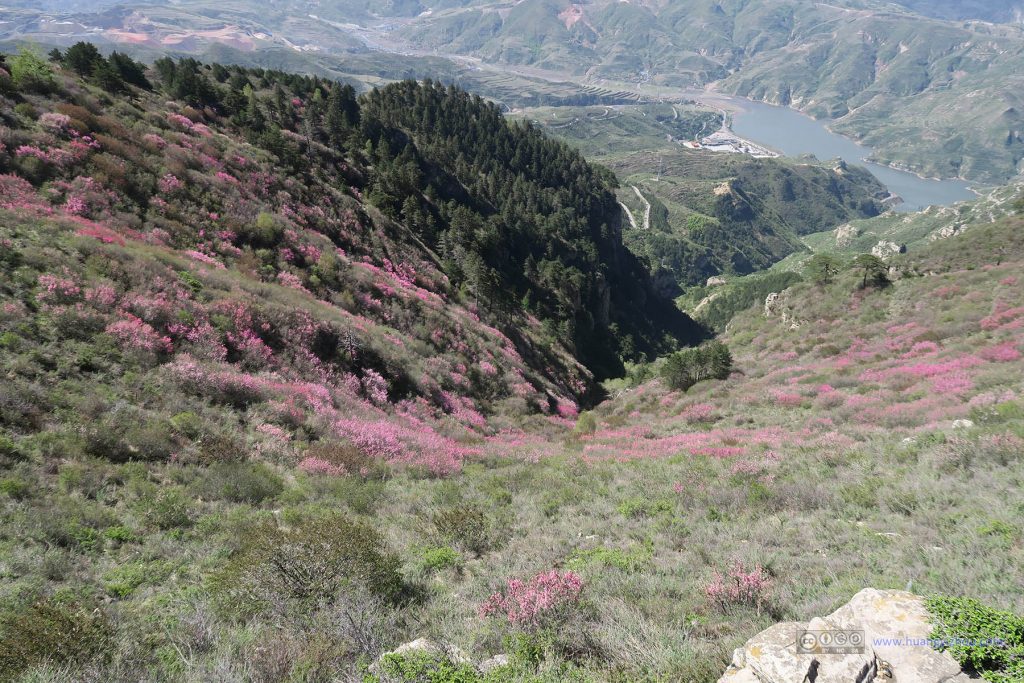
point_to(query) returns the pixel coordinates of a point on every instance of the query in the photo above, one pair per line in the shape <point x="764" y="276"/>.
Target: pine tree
<point x="82" y="58"/>
<point x="873" y="270"/>
<point x="822" y="268"/>
<point x="107" y="77"/>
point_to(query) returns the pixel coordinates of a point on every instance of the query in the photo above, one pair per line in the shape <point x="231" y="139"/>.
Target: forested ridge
<point x="520" y="221"/>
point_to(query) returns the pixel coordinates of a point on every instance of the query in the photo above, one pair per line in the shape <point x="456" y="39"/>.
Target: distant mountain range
<point x="986" y="10"/>
<point x="936" y="96"/>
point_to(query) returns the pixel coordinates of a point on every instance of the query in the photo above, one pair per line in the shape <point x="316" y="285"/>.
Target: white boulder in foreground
<point x="893" y="647"/>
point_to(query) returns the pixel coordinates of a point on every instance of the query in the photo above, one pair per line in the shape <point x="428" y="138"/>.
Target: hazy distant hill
<point x="942" y="98"/>
<point x="939" y="97"/>
<point x="988" y="10"/>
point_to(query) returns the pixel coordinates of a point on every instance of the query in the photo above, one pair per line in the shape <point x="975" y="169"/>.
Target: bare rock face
<point x="845" y="234"/>
<point x="715" y="281"/>
<point x="946" y="232"/>
<point x="886" y="250"/>
<point x="879" y="636"/>
<point x="777" y="304"/>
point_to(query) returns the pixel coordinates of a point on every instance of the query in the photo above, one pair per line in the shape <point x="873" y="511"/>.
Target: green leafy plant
<point x="984" y="640"/>
<point x="425" y="667"/>
<point x="435" y="558"/>
<point x="51" y="630"/>
<point x="299" y="569"/>
<point x="465" y="526"/>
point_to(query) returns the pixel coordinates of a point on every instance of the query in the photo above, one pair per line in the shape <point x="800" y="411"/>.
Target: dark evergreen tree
<point x="82" y="58"/>
<point x="130" y="71"/>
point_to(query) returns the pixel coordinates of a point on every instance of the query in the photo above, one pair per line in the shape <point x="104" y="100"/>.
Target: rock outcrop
<point x="845" y="234"/>
<point x="946" y="232"/>
<point x="777" y="304"/>
<point x="886" y="250"/>
<point x="439" y="651"/>
<point x="880" y="636"/>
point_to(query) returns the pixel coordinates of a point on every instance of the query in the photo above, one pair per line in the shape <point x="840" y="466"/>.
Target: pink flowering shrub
<point x="101" y="296"/>
<point x="76" y="206"/>
<point x="291" y="281"/>
<point x="567" y="409"/>
<point x="953" y="383"/>
<point x="922" y="348"/>
<point x="697" y="413"/>
<point x="313" y="465"/>
<point x="719" y="451"/>
<point x="154" y="140"/>
<point x="1002" y="319"/>
<point x="169" y="183"/>
<point x="787" y="400"/>
<point x="136" y="334"/>
<point x="377" y="439"/>
<point x="1002" y="353"/>
<point x="17" y="193"/>
<point x="180" y="121"/>
<point x="739" y="587"/>
<point x="57" y="289"/>
<point x="204" y="258"/>
<point x="375" y="387"/>
<point x="547" y="599"/>
<point x="55" y="122"/>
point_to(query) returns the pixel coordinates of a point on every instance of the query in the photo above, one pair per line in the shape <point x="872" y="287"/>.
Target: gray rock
<point x="886" y="250"/>
<point x="893" y="632"/>
<point x="777" y="304"/>
<point x="946" y="232"/>
<point x="493" y="663"/>
<point x="845" y="234"/>
<point x="425" y="645"/>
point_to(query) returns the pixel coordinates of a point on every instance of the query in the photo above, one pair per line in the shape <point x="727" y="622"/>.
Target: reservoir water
<point x="793" y="133"/>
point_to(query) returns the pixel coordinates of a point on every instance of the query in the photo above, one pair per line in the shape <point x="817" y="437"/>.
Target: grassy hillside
<point x="911" y="232"/>
<point x="159" y="546"/>
<point x="149" y="246"/>
<point x="285" y="386"/>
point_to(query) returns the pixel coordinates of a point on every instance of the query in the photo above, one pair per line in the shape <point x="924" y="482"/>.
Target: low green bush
<point x="300" y="569"/>
<point x="984" y="640"/>
<point x="251" y="483"/>
<point x="636" y="508"/>
<point x="15" y="488"/>
<point x="625" y="560"/>
<point x="62" y="633"/>
<point x="466" y="527"/>
<point x="436" y="558"/>
<point x="121" y="581"/>
<point x="165" y="509"/>
<point x="424" y="667"/>
<point x="73" y="523"/>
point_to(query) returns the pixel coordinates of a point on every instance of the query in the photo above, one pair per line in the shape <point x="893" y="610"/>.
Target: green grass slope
<point x="827" y="462"/>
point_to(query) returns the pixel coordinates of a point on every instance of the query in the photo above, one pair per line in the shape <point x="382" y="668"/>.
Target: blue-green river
<point x="792" y="133"/>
